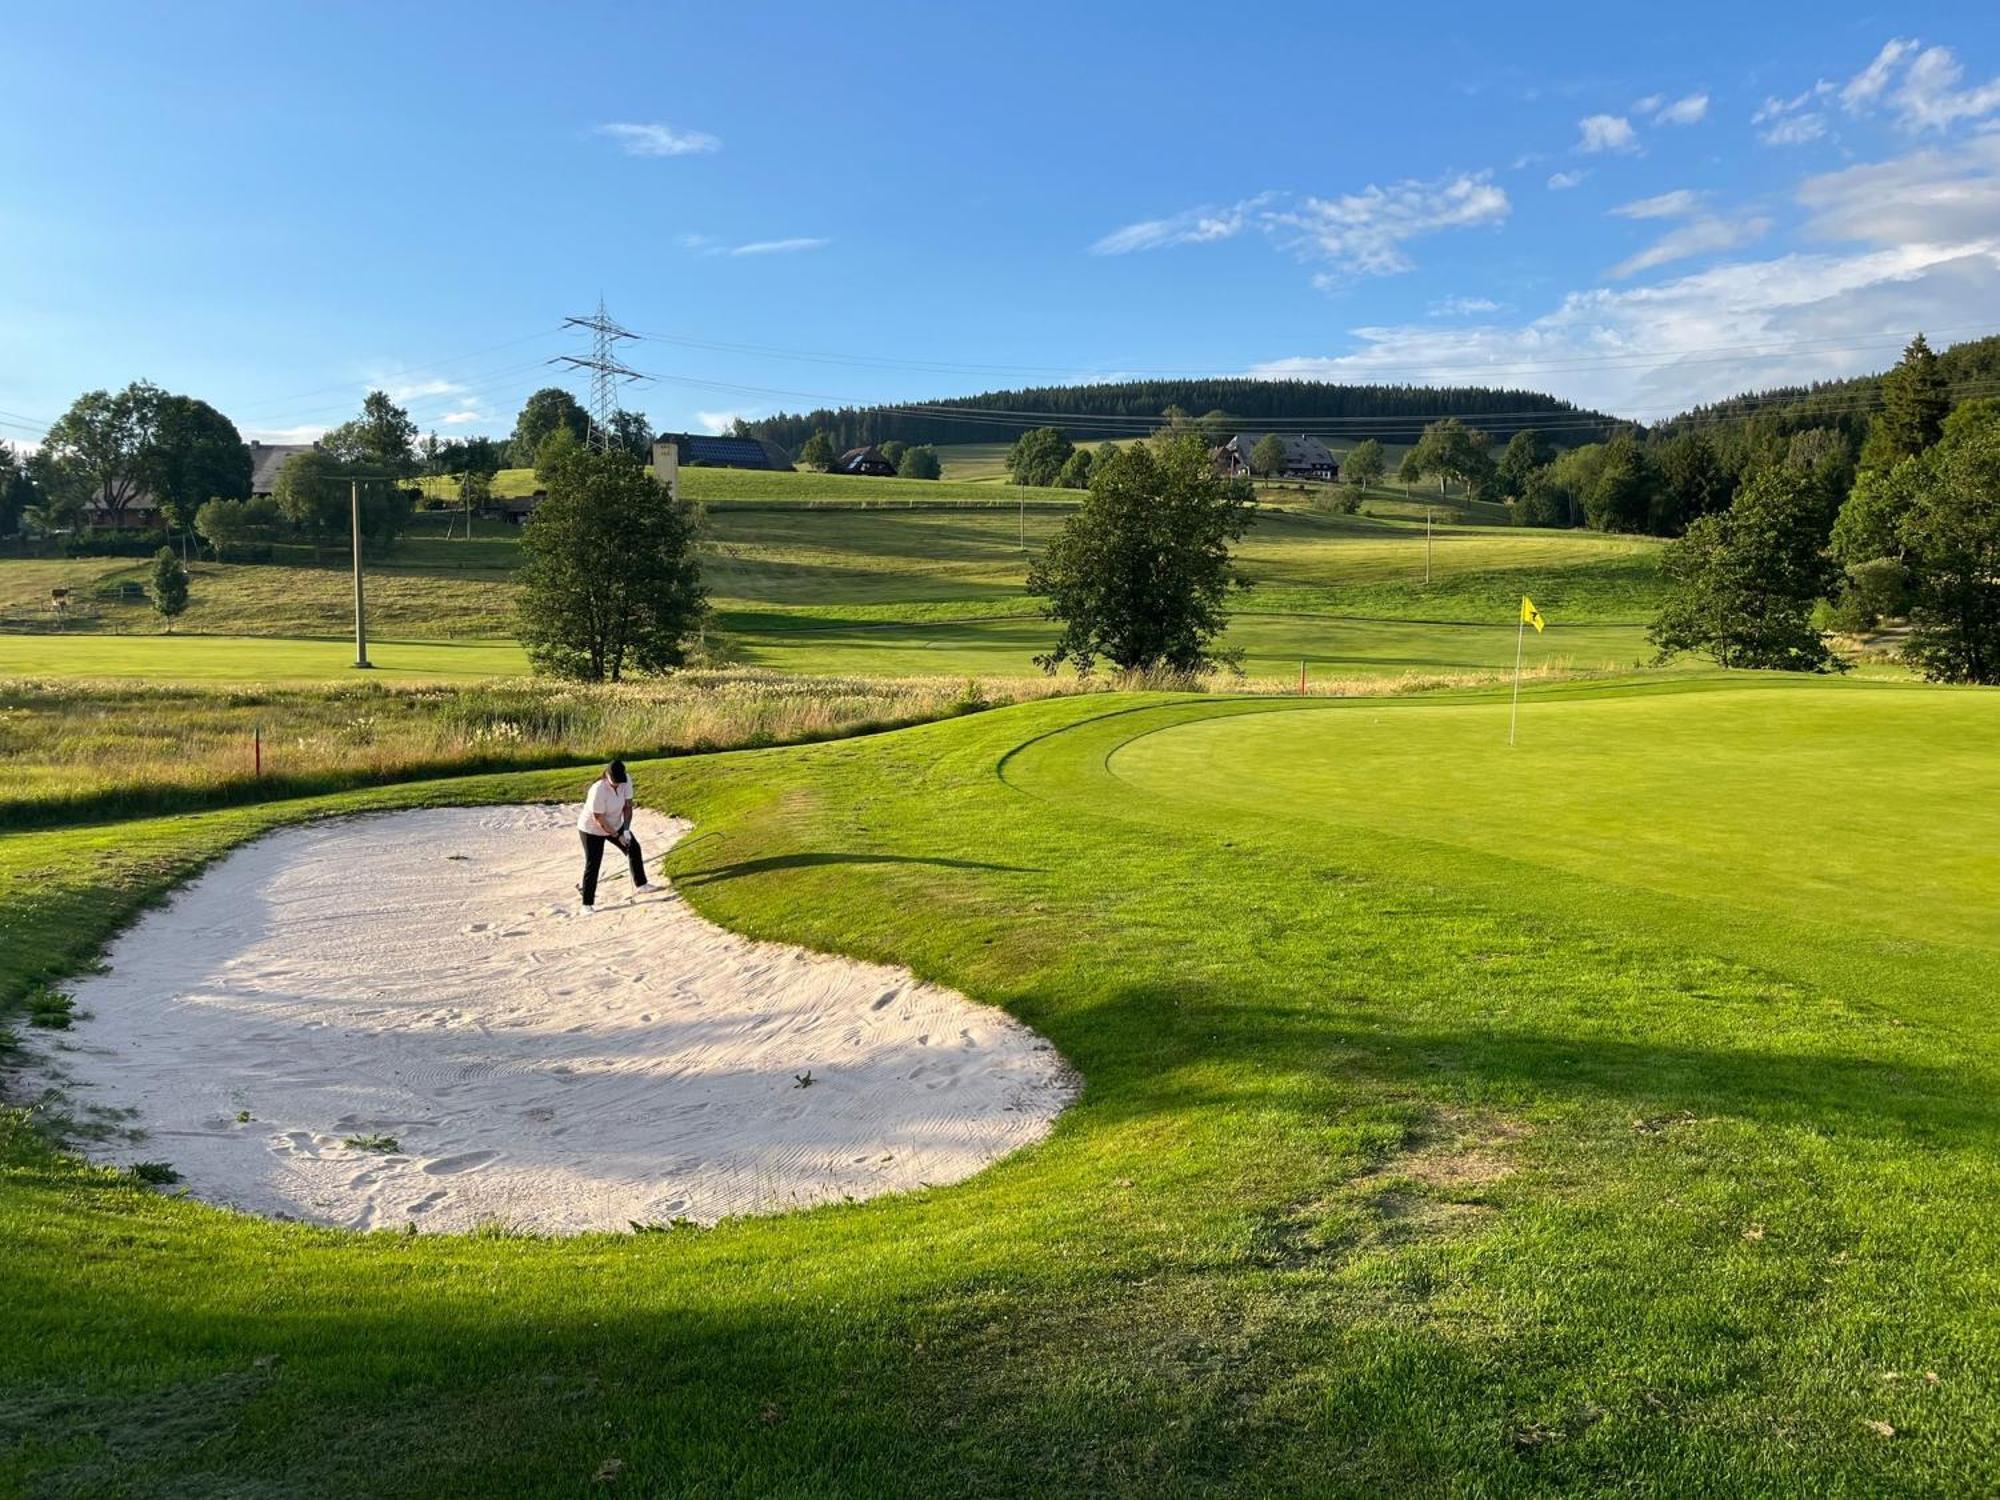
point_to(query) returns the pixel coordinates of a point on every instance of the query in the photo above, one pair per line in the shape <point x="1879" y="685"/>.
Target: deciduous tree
<point x="1037" y="456"/>
<point x="1268" y="456"/>
<point x="818" y="452"/>
<point x="541" y="414"/>
<point x="1364" y="464"/>
<point x="608" y="580"/>
<point x="198" y="455"/>
<point x="1139" y="574"/>
<point x="920" y="462"/>
<point x="105" y="443"/>
<point x="1742" y="584"/>
<point x="379" y="440"/>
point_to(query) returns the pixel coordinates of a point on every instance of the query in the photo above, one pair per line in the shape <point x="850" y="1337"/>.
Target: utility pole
<point x="607" y="371"/>
<point x="360" y="613"/>
<point x="1427" y="546"/>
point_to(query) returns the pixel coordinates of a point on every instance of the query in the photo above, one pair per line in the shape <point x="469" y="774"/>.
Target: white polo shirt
<point x="604" y="801"/>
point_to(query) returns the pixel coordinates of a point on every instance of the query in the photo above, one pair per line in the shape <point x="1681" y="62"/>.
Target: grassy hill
<point x="854" y="589"/>
<point x="729" y="487"/>
<point x="1457" y="1119"/>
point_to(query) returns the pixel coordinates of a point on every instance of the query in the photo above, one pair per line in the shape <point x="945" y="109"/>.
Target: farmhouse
<point x="699" y="451"/>
<point x="1305" y="457"/>
<point x="267" y="460"/>
<point x="868" y="460"/>
<point x="141" y="512"/>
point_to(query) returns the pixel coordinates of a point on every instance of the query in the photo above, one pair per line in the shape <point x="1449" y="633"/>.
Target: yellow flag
<point x="1530" y="615"/>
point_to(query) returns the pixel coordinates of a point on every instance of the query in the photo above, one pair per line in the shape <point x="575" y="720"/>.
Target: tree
<point x="1526" y="451"/>
<point x="1620" y="496"/>
<point x="1139" y="573"/>
<point x="1037" y="456"/>
<point x="632" y="431"/>
<point x="1365" y="464"/>
<point x="379" y="440"/>
<point x="818" y="452"/>
<point x="1449" y="450"/>
<point x="311" y="492"/>
<point x="1692" y="483"/>
<point x="560" y="444"/>
<point x="920" y="462"/>
<point x="104" y="443"/>
<point x="1543" y="501"/>
<point x="169" y="586"/>
<point x="197" y="455"/>
<point x="548" y="409"/>
<point x="17" y="489"/>
<point x="1269" y="455"/>
<point x="1950" y="536"/>
<point x="231" y="525"/>
<point x="608" y="578"/>
<point x="893" y="450"/>
<point x="1215" y="425"/>
<point x="1915" y="402"/>
<point x="1075" y="473"/>
<point x="1742" y="584"/>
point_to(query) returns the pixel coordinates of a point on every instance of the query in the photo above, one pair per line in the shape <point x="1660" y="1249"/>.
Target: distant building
<point x="267" y="459"/>
<point x="1305" y="457"/>
<point x="867" y="460"/>
<point x="700" y="451"/>
<point x="513" y="509"/>
<point x="139" y="513"/>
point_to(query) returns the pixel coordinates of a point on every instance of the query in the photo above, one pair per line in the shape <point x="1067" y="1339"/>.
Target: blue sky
<point x="275" y="207"/>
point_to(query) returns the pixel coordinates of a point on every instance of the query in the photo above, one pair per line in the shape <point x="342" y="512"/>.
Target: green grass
<point x="727" y="487"/>
<point x="217" y="658"/>
<point x="1612" y="1114"/>
<point x="845" y="590"/>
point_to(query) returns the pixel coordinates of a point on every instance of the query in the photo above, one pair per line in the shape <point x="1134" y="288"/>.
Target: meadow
<point x="844" y="590"/>
<point x="1617" y="1111"/>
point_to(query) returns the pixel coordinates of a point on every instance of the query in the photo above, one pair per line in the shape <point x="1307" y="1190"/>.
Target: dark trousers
<point x="593" y="856"/>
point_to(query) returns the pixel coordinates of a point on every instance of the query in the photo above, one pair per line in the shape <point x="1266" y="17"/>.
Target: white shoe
<point x="588" y="911"/>
<point x="644" y="890"/>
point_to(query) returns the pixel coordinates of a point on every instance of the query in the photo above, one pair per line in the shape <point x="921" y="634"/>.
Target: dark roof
<point x="729" y="452"/>
<point x="266" y="459"/>
<point x="1301" y="451"/>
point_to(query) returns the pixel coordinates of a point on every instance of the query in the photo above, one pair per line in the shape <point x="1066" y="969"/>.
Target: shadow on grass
<point x="814" y="859"/>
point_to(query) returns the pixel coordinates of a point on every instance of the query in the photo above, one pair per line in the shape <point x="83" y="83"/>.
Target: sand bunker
<point x="424" y="978"/>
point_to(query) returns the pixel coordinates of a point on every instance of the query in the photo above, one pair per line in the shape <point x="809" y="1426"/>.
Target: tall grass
<point x="91" y="750"/>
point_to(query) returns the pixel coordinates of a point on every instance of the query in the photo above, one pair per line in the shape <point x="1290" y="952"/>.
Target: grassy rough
<point x="1426" y="1147"/>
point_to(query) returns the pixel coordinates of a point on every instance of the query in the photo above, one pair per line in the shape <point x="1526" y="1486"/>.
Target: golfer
<point x="607" y="818"/>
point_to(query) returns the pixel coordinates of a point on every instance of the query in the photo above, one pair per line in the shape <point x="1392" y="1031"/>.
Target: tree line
<point x="1396" y="413"/>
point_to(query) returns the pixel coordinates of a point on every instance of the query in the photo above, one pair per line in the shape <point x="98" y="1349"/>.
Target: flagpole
<point x="1520" y="638"/>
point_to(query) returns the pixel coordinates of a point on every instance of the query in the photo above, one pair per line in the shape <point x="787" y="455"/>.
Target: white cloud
<point x="719" y="422"/>
<point x="1366" y="231"/>
<point x="463" y="418"/>
<point x="1929" y="97"/>
<point x="1649" y="351"/>
<point x="1648" y="104"/>
<point x="416" y="390"/>
<point x="310" y="432"/>
<point x="1606" y="133"/>
<point x="1455" y="307"/>
<point x="1691" y="110"/>
<point x="1865" y="87"/>
<point x="1939" y="196"/>
<point x="1697" y="237"/>
<point x="781" y="247"/>
<point x="1677" y="204"/>
<point x="1197" y="226"/>
<point x="1359" y="233"/>
<point x="1562" y="182"/>
<point x="660" y="140"/>
<point x="1794" y="130"/>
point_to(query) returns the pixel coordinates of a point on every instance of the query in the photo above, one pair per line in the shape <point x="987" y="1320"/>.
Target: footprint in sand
<point x="430" y="1201"/>
<point x="465" y="1161"/>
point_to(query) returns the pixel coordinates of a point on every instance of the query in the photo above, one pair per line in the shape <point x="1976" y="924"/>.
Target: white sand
<point x="426" y="976"/>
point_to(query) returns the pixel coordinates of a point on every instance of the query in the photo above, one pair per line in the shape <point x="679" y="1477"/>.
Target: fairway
<point x="214" y="658"/>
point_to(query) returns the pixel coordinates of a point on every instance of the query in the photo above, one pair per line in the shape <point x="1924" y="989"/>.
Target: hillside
<point x="1389" y="413"/>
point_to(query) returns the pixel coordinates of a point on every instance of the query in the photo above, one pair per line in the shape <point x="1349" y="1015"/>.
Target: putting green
<point x="1783" y="799"/>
